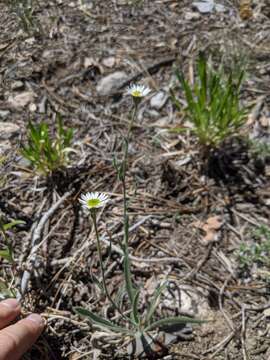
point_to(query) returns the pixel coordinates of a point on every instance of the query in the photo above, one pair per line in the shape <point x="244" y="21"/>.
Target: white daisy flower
<point x="138" y="91"/>
<point x="93" y="200"/>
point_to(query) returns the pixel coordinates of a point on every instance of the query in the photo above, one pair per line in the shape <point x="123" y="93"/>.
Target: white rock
<point x="33" y="107"/>
<point x="17" y="85"/>
<point x="8" y="130"/>
<point x="159" y="100"/>
<point x="205" y="6"/>
<point x="111" y="83"/>
<point x="4" y="113"/>
<point x="192" y="15"/>
<point x="21" y="100"/>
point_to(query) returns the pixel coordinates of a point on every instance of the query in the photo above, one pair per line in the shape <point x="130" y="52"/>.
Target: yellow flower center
<point x="92" y="203"/>
<point x="136" y="93"/>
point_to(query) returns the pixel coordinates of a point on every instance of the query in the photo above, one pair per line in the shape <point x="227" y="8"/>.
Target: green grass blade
<point x="12" y="223"/>
<point x="202" y="71"/>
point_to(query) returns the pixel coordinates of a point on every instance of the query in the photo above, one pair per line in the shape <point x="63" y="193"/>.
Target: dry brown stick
<point x="221" y="293"/>
<point x="257" y="308"/>
<point x="211" y="284"/>
<point x="221" y="345"/>
<point x="148" y="70"/>
<point x="37" y="234"/>
<point x="115" y="248"/>
<point x="190" y="356"/>
<point x="252" y="222"/>
<point x="69" y="260"/>
<point x="195" y="271"/>
<point x="243" y="334"/>
<point x="58" y="99"/>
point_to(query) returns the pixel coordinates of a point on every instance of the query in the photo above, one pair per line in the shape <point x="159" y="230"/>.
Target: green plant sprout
<point x="137" y="325"/>
<point x="44" y="153"/>
<point x="6" y="252"/>
<point x="24" y="10"/>
<point x="256" y="253"/>
<point x="213" y="103"/>
<point x="259" y="149"/>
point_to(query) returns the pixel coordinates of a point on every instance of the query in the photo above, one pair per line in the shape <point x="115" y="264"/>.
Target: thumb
<point x="16" y="339"/>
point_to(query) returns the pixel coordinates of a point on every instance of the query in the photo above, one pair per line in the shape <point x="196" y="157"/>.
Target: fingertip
<point x="11" y="304"/>
<point x="17" y="338"/>
<point x="36" y="320"/>
<point x="9" y="309"/>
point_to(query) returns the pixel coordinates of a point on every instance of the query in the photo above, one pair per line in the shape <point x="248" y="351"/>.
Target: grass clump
<point x="24" y="10"/>
<point x="213" y="103"/>
<point x="46" y="153"/>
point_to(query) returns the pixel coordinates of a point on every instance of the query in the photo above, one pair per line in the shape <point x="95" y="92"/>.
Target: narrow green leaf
<point x="96" y="281"/>
<point x="101" y="322"/>
<point x="128" y="279"/>
<point x="178" y="130"/>
<point x="135" y="310"/>
<point x="7" y="254"/>
<point x="120" y="295"/>
<point x="175" y="101"/>
<point x="174" y="321"/>
<point x="154" y="303"/>
<point x="11" y="224"/>
<point x="202" y="70"/>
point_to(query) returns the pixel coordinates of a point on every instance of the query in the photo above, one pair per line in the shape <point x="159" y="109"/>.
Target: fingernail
<point x="10" y="303"/>
<point x="36" y="319"/>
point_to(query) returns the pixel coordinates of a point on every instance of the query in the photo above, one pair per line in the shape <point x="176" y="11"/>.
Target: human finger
<point x="16" y="339"/>
<point x="9" y="310"/>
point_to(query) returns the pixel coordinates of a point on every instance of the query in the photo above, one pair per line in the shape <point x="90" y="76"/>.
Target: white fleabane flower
<point x="138" y="91"/>
<point x="93" y="200"/>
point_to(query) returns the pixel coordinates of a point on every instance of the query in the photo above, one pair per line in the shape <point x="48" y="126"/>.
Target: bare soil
<point x="57" y="65"/>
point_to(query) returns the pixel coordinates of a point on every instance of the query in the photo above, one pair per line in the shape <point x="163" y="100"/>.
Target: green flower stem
<point x="125" y="215"/>
<point x="134" y="114"/>
<point x="94" y="218"/>
<point x="124" y="170"/>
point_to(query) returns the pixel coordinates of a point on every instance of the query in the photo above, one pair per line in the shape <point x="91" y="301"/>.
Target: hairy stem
<point x="94" y="218"/>
<point x="125" y="215"/>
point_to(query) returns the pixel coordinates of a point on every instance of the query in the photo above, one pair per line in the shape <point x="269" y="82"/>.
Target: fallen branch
<point x="118" y="250"/>
<point x="36" y="238"/>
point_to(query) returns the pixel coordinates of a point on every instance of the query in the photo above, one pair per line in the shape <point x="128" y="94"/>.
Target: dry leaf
<point x="245" y="10"/>
<point x="211" y="228"/>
